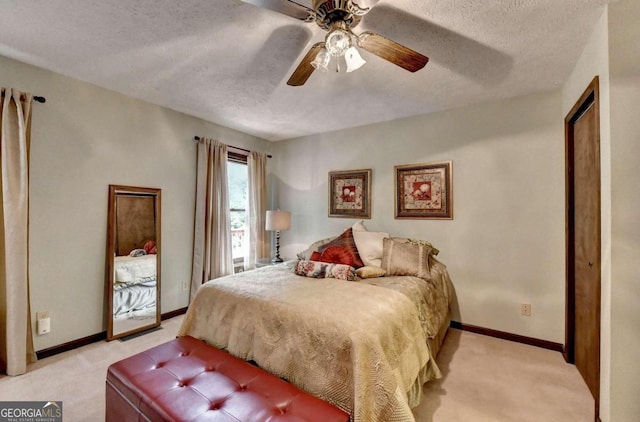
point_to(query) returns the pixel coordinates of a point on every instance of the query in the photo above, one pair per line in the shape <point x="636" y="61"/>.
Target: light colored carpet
<point x="491" y="380"/>
<point x="485" y="379"/>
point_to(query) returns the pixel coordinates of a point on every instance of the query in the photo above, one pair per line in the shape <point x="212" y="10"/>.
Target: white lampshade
<point x="353" y="59"/>
<point x="278" y="220"/>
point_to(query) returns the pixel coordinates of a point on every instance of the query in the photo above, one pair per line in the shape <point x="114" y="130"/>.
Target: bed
<point x="366" y="346"/>
<point x="134" y="287"/>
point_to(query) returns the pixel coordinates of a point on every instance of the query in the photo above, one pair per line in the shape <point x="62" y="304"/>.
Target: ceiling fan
<point x="338" y="17"/>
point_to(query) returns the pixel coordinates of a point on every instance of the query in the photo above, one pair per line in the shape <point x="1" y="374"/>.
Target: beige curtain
<point x="257" y="207"/>
<point x="212" y="254"/>
<point x="16" y="340"/>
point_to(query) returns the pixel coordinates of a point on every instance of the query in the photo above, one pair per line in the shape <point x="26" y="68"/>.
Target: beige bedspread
<point x="359" y="345"/>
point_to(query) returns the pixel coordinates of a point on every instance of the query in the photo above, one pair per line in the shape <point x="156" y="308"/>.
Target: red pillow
<point x="150" y="247"/>
<point x="345" y="240"/>
<point x="337" y="255"/>
<point x="315" y="256"/>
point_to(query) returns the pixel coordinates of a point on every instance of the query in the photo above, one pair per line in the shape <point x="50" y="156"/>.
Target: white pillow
<point x="358" y="226"/>
<point x="370" y="246"/>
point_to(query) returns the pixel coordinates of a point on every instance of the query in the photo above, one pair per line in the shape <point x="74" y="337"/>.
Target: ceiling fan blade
<point x="286" y="7"/>
<point x="305" y="69"/>
<point x="391" y="51"/>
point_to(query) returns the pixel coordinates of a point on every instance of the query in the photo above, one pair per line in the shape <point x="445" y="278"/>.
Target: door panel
<point x="582" y="136"/>
<point x="587" y="249"/>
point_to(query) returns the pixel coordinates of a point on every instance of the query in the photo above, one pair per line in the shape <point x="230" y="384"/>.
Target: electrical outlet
<point x="185" y="285"/>
<point x="525" y="309"/>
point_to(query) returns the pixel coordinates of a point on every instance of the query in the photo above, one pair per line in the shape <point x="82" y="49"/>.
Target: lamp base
<point x="276" y="259"/>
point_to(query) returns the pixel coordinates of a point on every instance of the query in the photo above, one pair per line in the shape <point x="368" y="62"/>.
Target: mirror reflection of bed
<point x="134" y="289"/>
<point x="133" y="281"/>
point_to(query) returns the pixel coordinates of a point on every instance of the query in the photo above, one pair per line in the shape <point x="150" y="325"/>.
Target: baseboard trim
<point x="74" y="344"/>
<point x="545" y="344"/>
<point x="94" y="338"/>
<point x="173" y="314"/>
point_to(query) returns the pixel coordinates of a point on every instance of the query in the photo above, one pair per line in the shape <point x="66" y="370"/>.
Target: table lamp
<point x="278" y="220"/>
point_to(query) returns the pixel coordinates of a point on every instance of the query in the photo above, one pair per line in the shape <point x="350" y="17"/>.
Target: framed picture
<point x="424" y="191"/>
<point x="350" y="193"/>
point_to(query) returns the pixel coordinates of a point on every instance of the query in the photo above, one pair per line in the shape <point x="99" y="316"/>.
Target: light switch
<point x="44" y="326"/>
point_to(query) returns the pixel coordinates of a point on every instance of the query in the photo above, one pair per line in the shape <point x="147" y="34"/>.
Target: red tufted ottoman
<point x="188" y="380"/>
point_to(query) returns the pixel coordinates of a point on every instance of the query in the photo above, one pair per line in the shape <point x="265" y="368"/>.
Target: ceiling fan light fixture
<point x="338" y="18"/>
<point x="354" y="59"/>
<point x="321" y="62"/>
<point x="337" y="42"/>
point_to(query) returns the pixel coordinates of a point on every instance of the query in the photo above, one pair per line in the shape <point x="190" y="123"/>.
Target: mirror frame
<point x="115" y="190"/>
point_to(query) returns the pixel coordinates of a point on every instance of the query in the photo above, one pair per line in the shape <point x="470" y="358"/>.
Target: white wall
<point x="624" y="50"/>
<point x="505" y="245"/>
<point x="83" y="139"/>
<point x="594" y="61"/>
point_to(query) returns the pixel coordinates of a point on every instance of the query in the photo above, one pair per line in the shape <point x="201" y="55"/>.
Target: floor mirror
<point x="133" y="260"/>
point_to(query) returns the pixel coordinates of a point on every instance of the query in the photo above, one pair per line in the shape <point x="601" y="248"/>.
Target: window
<point x="237" y="188"/>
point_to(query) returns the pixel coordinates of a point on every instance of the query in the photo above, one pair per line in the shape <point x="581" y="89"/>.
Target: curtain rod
<point x="197" y="138"/>
<point x="37" y="98"/>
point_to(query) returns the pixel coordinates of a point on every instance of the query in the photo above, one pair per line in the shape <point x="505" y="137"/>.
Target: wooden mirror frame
<point x="114" y="191"/>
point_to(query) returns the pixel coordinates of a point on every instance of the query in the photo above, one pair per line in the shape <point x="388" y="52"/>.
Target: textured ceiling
<point x="228" y="62"/>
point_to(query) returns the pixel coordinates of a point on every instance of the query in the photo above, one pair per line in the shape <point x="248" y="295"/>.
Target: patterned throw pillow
<point x="407" y="257"/>
<point x="325" y="270"/>
<point x="137" y="252"/>
<point x="336" y="255"/>
<point x="345" y="240"/>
